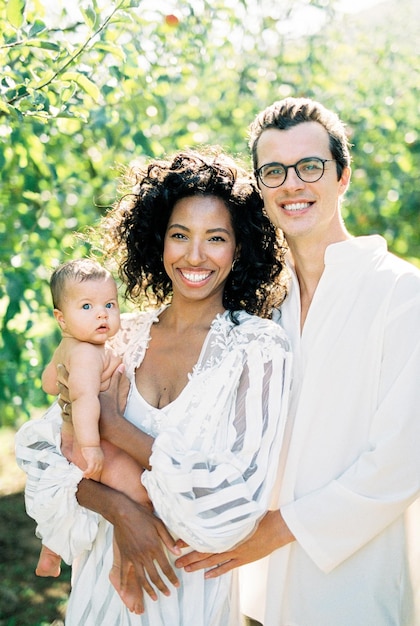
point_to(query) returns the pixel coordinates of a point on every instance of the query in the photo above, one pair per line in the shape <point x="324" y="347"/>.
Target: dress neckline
<point x="219" y="317"/>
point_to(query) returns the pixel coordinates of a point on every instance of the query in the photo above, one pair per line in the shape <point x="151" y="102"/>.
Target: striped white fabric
<point x="213" y="467"/>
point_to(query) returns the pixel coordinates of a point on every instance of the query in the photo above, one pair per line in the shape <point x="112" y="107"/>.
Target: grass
<point x="25" y="599"/>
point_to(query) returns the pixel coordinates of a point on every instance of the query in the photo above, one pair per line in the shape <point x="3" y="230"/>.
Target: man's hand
<point x="271" y="534"/>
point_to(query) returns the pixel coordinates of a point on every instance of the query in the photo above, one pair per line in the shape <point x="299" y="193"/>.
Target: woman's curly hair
<point x="133" y="231"/>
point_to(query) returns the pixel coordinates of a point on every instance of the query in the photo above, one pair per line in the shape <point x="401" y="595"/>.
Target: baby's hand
<point x="94" y="458"/>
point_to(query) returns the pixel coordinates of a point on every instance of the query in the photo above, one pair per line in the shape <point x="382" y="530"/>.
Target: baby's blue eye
<point x="109" y="305"/>
<point x="86" y="307"/>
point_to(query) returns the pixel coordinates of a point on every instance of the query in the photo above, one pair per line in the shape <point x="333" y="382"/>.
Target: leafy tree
<point x="101" y="83"/>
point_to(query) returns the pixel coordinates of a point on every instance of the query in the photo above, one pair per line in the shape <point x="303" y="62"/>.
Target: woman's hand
<point x="63" y="391"/>
<point x="141" y="538"/>
<point x="113" y="402"/>
<point x="115" y="428"/>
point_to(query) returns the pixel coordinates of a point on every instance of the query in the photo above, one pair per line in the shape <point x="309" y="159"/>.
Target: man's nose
<point x="292" y="180"/>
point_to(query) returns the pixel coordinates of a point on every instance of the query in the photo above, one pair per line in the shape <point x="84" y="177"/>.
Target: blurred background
<point x="87" y="86"/>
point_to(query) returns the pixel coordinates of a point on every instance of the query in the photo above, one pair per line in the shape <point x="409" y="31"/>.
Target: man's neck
<point x="308" y="260"/>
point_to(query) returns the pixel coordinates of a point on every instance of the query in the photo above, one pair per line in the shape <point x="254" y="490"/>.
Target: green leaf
<point x="4" y="108"/>
<point x="84" y="83"/>
<point x="43" y="43"/>
<point x="114" y="49"/>
<point x="40" y="82"/>
<point x="14" y="12"/>
<point x="89" y="16"/>
<point x="37" y="27"/>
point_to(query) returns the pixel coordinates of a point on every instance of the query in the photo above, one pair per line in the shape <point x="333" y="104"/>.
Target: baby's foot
<point x="132" y="595"/>
<point x="49" y="563"/>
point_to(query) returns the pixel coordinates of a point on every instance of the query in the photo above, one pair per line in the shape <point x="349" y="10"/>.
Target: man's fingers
<point x="220" y="569"/>
<point x="216" y="564"/>
<point x="200" y="559"/>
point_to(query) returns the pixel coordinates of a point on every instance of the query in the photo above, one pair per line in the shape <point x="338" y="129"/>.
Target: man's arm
<point x="271" y="534"/>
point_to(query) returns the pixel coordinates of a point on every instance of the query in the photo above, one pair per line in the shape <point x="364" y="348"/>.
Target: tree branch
<point x="71" y="60"/>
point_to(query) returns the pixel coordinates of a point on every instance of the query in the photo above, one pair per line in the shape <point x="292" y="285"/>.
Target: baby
<point x="85" y="301"/>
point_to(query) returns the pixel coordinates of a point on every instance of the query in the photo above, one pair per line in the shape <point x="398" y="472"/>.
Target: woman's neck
<point x="187" y="316"/>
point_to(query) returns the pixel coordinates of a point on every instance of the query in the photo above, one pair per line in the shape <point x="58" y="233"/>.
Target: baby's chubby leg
<point x="49" y="563"/>
<point x="121" y="472"/>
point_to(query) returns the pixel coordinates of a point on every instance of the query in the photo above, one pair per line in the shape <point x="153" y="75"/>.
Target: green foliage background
<point x="86" y="86"/>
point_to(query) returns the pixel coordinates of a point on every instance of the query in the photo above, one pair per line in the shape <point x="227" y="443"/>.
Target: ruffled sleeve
<point x="215" y="461"/>
<point x="62" y="524"/>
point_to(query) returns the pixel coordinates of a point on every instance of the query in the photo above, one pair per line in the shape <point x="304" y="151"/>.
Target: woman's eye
<point x="178" y="236"/>
<point x="217" y="238"/>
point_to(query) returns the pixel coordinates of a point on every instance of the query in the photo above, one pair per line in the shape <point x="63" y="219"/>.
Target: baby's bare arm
<point x="85" y="366"/>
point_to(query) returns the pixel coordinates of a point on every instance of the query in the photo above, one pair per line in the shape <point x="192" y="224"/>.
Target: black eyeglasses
<point x="309" y="170"/>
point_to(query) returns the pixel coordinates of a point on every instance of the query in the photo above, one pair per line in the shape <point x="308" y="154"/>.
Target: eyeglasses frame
<point x="294" y="166"/>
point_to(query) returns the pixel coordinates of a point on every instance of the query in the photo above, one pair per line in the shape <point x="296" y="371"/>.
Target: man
<point x="341" y="542"/>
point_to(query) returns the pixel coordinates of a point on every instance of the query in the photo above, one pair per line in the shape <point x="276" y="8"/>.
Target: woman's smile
<point x="199" y="248"/>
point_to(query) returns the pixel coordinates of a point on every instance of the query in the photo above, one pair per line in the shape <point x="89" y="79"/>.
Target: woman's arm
<point x="214" y="465"/>
<point x="212" y="476"/>
<point x="115" y="428"/>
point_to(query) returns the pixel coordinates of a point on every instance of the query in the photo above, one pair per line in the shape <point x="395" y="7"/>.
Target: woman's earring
<point x="233" y="264"/>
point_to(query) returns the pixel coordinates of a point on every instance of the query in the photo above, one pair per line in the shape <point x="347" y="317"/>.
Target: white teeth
<point x="297" y="206"/>
<point x="196" y="277"/>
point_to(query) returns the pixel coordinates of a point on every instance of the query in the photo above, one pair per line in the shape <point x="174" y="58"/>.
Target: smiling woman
<point x="199" y="248"/>
<point x="206" y="405"/>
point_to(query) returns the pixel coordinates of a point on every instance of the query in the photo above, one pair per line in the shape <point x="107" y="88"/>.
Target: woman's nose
<point x="195" y="253"/>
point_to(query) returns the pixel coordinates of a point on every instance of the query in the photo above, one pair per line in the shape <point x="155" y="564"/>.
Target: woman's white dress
<point x="213" y="461"/>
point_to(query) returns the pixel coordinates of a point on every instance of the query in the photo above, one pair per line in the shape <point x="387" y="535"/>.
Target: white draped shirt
<point x="350" y="479"/>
